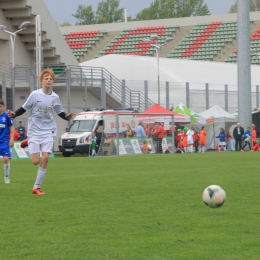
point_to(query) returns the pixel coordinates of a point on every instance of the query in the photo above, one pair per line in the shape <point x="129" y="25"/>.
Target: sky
<point x="62" y="10"/>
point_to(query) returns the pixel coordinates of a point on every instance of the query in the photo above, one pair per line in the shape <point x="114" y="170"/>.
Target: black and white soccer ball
<point x="214" y="196"/>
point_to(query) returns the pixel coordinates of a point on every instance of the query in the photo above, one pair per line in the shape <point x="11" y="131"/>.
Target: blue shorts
<point x="5" y="149"/>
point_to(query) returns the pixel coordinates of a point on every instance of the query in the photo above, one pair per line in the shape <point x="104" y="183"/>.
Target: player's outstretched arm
<point x="70" y="116"/>
<point x="10" y="113"/>
<point x="65" y="116"/>
<point x="18" y="112"/>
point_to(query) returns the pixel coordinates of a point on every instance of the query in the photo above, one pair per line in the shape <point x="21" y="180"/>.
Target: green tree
<point x="85" y="15"/>
<point x="65" y="24"/>
<point x="254" y="6"/>
<point x="108" y="12"/>
<point x="161" y="9"/>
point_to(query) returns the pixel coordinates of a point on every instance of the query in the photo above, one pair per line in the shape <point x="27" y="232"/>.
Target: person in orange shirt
<point x="253" y="134"/>
<point x="196" y="141"/>
<point x="161" y="133"/>
<point x="185" y="140"/>
<point x="145" y="148"/>
<point x="203" y="139"/>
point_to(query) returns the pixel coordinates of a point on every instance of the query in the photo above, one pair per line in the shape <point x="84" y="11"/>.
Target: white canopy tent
<point x="222" y="119"/>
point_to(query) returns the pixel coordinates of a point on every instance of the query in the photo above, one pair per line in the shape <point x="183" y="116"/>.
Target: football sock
<point x="40" y="176"/>
<point x="225" y="148"/>
<point x="7" y="169"/>
<point x="219" y="148"/>
<point x="203" y="149"/>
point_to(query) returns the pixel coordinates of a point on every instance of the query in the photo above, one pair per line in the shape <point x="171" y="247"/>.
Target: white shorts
<point x="40" y="144"/>
<point x="222" y="143"/>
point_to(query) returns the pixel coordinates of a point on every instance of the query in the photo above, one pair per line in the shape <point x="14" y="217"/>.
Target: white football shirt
<point x="40" y="120"/>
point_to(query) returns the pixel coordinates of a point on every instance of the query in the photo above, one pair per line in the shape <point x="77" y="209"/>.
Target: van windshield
<point x="82" y="126"/>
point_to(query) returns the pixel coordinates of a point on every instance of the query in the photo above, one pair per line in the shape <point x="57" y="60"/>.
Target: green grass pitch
<point x="132" y="207"/>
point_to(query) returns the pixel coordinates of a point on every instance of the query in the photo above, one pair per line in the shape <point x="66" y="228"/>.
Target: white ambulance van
<point x="77" y="138"/>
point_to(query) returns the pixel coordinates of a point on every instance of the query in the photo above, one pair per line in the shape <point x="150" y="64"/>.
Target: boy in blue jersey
<point x="6" y="139"/>
<point x="222" y="140"/>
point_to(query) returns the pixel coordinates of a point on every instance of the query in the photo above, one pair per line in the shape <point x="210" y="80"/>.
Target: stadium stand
<point x="130" y="41"/>
<point x="254" y="45"/>
<point x="210" y="41"/>
<point x="205" y="41"/>
<point x="81" y="42"/>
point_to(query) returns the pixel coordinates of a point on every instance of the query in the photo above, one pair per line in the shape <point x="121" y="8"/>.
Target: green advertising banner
<point x="131" y="146"/>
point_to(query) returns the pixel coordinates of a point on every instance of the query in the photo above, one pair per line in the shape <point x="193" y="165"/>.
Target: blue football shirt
<point x="5" y="123"/>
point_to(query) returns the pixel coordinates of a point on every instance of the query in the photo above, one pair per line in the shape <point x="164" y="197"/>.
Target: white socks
<point x="7" y="169"/>
<point x="40" y="176"/>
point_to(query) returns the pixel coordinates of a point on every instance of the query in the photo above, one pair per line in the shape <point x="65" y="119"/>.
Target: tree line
<point x="108" y="11"/>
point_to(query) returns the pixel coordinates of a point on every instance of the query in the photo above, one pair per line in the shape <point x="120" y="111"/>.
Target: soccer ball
<point x="214" y="196"/>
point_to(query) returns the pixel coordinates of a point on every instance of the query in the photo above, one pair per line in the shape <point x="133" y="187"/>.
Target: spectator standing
<point x="6" y="140"/>
<point x="190" y="134"/>
<point x="238" y="133"/>
<point x="16" y="135"/>
<point x="203" y="139"/>
<point x="140" y="130"/>
<point x="128" y="132"/>
<point x="222" y="140"/>
<point x="160" y="133"/>
<point x="21" y="127"/>
<point x="254" y="134"/>
<point x="93" y="144"/>
<point x="22" y="136"/>
<point x="196" y="141"/>
<point x="99" y="136"/>
<point x="247" y="138"/>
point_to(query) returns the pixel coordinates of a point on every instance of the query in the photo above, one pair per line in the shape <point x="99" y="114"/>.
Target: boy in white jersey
<point x="41" y="124"/>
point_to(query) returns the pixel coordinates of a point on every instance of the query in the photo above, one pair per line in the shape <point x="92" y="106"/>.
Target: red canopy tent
<point x="160" y="113"/>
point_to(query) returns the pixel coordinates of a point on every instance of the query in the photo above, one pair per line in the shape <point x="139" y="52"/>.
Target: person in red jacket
<point x="16" y="135"/>
<point x="160" y="133"/>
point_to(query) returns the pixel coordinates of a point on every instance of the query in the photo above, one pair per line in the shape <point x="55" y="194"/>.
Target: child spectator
<point x="93" y="144"/>
<point x="256" y="146"/>
<point x="222" y="140"/>
<point x="184" y="140"/>
<point x="190" y="140"/>
<point x="203" y="139"/>
<point x="22" y="136"/>
<point x="145" y="148"/>
<point x="247" y="137"/>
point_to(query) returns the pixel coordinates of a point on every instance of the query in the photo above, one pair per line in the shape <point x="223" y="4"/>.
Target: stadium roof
<point x="197" y="73"/>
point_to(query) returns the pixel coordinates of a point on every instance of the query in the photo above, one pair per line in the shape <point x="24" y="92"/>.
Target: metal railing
<point x="25" y="76"/>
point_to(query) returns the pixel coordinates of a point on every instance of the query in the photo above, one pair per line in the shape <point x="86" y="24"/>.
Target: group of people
<point x="19" y="132"/>
<point x="189" y="140"/>
<point x="239" y="135"/>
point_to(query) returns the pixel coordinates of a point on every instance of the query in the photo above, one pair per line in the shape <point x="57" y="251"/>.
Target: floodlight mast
<point x="22" y="26"/>
<point x="155" y="37"/>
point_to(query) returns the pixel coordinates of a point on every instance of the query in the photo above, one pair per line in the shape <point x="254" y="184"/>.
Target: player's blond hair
<point x="47" y="72"/>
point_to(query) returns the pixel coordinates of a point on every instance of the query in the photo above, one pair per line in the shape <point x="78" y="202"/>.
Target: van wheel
<point x="66" y="154"/>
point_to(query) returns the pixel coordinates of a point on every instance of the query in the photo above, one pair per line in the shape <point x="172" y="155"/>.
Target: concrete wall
<point x="52" y="32"/>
